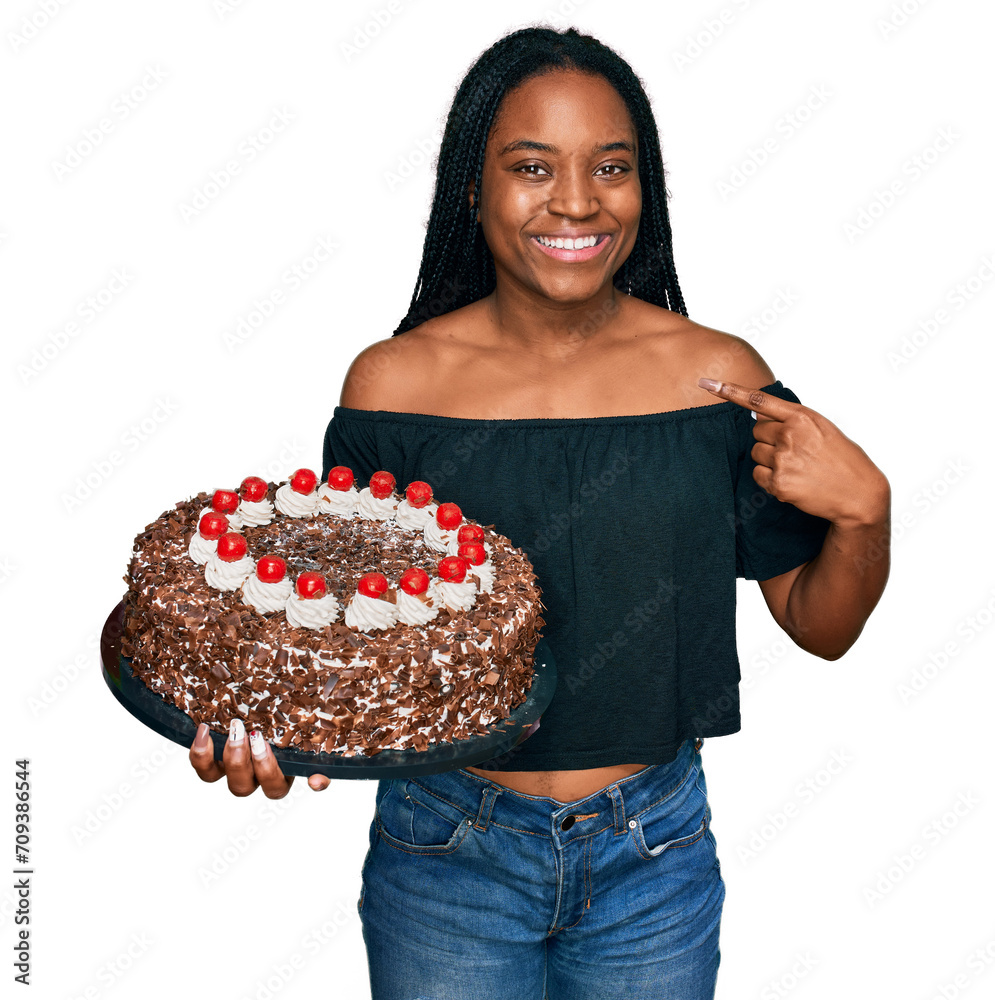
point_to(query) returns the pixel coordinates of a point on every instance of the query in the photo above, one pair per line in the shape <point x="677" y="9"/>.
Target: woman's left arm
<point x="805" y="459"/>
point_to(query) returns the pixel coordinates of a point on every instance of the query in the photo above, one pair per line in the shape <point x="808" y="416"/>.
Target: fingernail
<point x="709" y="383"/>
<point x="753" y="413"/>
<point x="257" y="743"/>
<point x="201" y="740"/>
<point x="236" y="733"/>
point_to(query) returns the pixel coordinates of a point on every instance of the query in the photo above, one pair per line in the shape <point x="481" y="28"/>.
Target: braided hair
<point x="457" y="266"/>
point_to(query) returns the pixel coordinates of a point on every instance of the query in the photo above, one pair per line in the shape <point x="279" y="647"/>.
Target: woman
<point x="561" y="393"/>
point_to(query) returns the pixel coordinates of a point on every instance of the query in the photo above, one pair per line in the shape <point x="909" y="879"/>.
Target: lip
<point x="585" y="253"/>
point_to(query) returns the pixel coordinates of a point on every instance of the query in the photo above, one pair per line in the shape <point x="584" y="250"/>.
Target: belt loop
<point x="491" y="792"/>
<point x="618" y="806"/>
<point x="698" y="741"/>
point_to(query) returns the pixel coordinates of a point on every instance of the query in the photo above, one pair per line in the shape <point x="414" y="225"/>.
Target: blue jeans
<point x="472" y="891"/>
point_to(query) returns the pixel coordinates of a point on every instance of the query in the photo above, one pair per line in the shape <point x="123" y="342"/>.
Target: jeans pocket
<point x="678" y="820"/>
<point x="407" y="820"/>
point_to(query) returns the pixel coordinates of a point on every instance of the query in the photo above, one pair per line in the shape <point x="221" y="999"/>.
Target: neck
<point x="555" y="329"/>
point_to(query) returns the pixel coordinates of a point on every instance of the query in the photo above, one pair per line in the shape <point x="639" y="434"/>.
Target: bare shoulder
<point x="703" y="352"/>
<point x="375" y="373"/>
<point x="391" y="374"/>
<point x="669" y="353"/>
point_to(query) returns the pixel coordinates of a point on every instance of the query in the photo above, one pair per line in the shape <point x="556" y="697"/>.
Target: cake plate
<point x="167" y="720"/>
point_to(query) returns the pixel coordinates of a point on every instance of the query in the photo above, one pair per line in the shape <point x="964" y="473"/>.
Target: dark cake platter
<point x="167" y="720"/>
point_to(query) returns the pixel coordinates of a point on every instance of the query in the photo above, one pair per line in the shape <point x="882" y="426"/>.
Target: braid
<point x="457" y="267"/>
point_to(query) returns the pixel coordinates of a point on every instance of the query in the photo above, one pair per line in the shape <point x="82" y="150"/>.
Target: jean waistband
<point x="462" y="796"/>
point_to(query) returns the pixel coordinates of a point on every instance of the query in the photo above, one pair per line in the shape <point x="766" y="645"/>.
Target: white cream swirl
<point x="367" y="613"/>
<point x="266" y="597"/>
<point x="234" y="518"/>
<point x="312" y="612"/>
<point x="341" y="502"/>
<point x="375" y="509"/>
<point x="413" y="611"/>
<point x="440" y="539"/>
<point x="201" y="548"/>
<point x="228" y="575"/>
<point x="456" y="596"/>
<point x="255" y="512"/>
<point x="415" y="518"/>
<point x="485" y="572"/>
<point x="294" y="504"/>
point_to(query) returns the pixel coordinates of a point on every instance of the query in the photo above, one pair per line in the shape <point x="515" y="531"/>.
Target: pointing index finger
<point x="750" y="399"/>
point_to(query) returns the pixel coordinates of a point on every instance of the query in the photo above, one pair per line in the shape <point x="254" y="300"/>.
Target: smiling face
<point x="560" y="164"/>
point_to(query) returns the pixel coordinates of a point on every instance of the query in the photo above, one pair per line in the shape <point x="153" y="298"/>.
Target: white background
<point x="148" y="882"/>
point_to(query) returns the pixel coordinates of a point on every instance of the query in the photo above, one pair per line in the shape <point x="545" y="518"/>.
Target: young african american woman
<point x="548" y="377"/>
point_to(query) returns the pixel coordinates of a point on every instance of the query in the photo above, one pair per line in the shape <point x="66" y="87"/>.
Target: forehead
<point x="560" y="104"/>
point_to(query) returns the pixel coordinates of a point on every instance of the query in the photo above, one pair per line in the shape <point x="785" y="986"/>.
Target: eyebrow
<point x="545" y="147"/>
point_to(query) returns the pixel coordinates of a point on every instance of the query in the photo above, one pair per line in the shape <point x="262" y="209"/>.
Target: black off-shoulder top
<point x="637" y="527"/>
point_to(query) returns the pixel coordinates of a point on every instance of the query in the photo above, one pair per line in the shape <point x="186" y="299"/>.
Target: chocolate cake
<point x="331" y="618"/>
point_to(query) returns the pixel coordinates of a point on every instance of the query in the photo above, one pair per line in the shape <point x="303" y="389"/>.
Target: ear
<point x="470" y="190"/>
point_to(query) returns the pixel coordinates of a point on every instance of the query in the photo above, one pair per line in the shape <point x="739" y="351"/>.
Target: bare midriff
<point x="564" y="786"/>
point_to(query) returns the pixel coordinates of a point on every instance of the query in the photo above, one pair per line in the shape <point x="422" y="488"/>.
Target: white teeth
<point x="568" y="244"/>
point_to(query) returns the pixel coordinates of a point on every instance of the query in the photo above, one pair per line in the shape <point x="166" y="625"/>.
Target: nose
<point x="572" y="194"/>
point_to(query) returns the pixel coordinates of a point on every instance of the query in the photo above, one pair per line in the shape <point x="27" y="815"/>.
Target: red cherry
<point x="232" y="547"/>
<point x="213" y="526"/>
<point x="414" y="581"/>
<point x="382" y="485"/>
<point x="448" y="515"/>
<point x="271" y="569"/>
<point x="341" y="478"/>
<point x="254" y="489"/>
<point x="225" y="501"/>
<point x="311" y="586"/>
<point x="453" y="569"/>
<point x="303" y="481"/>
<point x="418" y="494"/>
<point x="372" y="584"/>
<point x="473" y="552"/>
<point x="470" y="533"/>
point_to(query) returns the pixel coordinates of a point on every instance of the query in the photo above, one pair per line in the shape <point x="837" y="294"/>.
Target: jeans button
<point x="568" y="822"/>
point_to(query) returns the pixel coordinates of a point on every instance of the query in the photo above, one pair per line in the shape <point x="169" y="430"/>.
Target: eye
<point x="614" y="166"/>
<point x="527" y="168"/>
